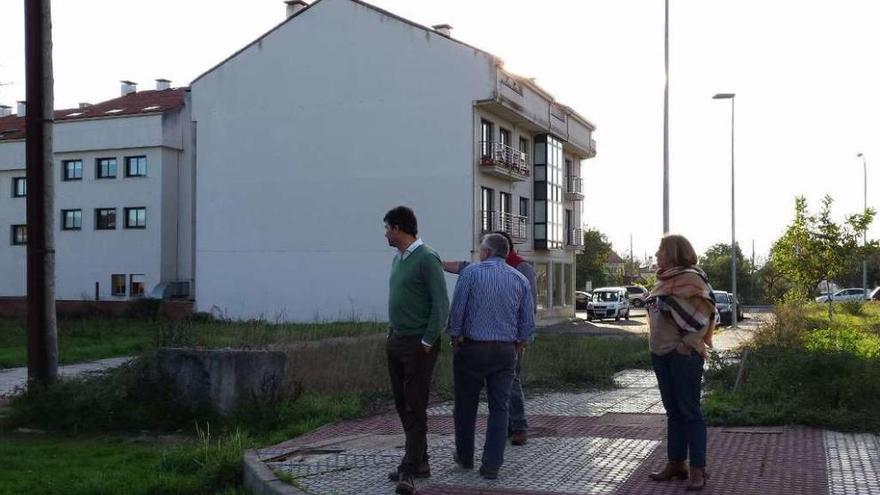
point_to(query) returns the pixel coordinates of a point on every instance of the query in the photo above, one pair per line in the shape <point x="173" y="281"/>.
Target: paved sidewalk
<point x="602" y="442"/>
<point x="15" y="379"/>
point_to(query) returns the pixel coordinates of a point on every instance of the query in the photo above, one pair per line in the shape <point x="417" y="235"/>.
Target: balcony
<point x="503" y="161"/>
<point x="575" y="240"/>
<point x="574" y="190"/>
<point x="517" y="226"/>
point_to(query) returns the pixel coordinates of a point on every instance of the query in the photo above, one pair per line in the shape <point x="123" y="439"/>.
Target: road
<point x="725" y="338"/>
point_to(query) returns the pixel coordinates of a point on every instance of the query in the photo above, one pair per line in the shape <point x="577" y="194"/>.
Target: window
<point x="558" y="285"/>
<point x="524" y="145"/>
<point x="135" y="166"/>
<point x="105" y="219"/>
<point x="548" y="193"/>
<point x="19" y="235"/>
<point x="506" y="203"/>
<point x="136" y="218"/>
<point x="19" y="187"/>
<point x="136" y="285"/>
<point x="487" y="206"/>
<point x="569" y="284"/>
<point x="72" y="169"/>
<point x="71" y="219"/>
<point x="487" y="135"/>
<point x="105" y="168"/>
<point x="569" y="228"/>
<point x="504" y="136"/>
<point x="117" y="284"/>
<point x="541" y="284"/>
<point x="524" y="207"/>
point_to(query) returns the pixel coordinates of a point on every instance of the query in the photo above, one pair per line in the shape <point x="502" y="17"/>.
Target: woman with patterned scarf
<point x="681" y="315"/>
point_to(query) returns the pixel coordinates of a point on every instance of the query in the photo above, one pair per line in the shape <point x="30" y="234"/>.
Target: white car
<point x="844" y="295"/>
<point x="608" y="302"/>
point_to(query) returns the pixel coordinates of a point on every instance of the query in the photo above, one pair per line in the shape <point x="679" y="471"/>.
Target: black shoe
<point x="406" y="485"/>
<point x="519" y="438"/>
<point x="488" y="474"/>
<point x="463" y="465"/>
<point x="424" y="471"/>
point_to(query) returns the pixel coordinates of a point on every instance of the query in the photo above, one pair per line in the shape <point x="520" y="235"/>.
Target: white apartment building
<point x="309" y="135"/>
<point x="123" y="177"/>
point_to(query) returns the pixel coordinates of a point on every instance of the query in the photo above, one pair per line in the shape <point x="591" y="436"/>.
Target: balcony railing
<point x="517" y="226"/>
<point x="575" y="239"/>
<point x="574" y="190"/>
<point x="502" y="160"/>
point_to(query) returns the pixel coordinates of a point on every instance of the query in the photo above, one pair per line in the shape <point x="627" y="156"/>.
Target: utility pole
<point x="41" y="323"/>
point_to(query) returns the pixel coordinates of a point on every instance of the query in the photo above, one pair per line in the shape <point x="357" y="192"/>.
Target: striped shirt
<point x="492" y="302"/>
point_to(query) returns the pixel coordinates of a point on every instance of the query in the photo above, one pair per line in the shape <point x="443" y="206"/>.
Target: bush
<point x="854" y="308"/>
<point x="803" y="369"/>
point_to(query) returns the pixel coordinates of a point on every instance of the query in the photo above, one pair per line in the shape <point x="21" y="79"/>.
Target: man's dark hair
<point x="404" y="219"/>
<point x="506" y="236"/>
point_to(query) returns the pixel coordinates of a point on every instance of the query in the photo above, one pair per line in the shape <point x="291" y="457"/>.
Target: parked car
<point x="581" y="299"/>
<point x="637" y="295"/>
<point x="852" y="294"/>
<point x="875" y="295"/>
<point x="723" y="306"/>
<point x="608" y="302"/>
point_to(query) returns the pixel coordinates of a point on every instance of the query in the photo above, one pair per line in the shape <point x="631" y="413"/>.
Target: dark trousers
<point x="410" y="368"/>
<point x="517" y="415"/>
<point x="475" y="364"/>
<point x="679" y="377"/>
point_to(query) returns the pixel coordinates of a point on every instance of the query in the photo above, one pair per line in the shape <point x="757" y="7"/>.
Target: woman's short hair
<point x="677" y="250"/>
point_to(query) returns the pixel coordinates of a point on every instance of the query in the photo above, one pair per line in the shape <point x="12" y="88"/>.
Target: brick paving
<point x="603" y="442"/>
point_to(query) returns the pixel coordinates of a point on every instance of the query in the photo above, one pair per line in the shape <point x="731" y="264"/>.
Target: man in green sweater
<point x="418" y="305"/>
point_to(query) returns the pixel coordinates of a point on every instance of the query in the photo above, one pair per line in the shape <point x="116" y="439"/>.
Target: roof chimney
<point x="444" y="29"/>
<point x="294" y="6"/>
<point x="162" y="84"/>
<point x="5" y="111"/>
<point x="22" y="109"/>
<point x="84" y="105"/>
<point x="128" y="87"/>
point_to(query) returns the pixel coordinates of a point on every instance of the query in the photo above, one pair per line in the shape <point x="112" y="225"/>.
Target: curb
<point x="260" y="480"/>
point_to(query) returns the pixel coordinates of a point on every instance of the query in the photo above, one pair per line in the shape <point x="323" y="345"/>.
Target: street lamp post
<point x="666" y="123"/>
<point x="733" y="304"/>
<point x="865" y="240"/>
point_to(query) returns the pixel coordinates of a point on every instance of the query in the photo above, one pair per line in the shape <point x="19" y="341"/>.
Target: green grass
<point x="805" y="369"/>
<point x="96" y="466"/>
<point x="92" y="424"/>
<point x="93" y="338"/>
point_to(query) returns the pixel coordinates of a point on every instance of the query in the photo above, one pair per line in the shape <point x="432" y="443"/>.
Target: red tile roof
<point x="139" y="103"/>
<point x="614" y="258"/>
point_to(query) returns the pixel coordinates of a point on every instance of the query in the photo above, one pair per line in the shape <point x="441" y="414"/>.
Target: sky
<point x="804" y="72"/>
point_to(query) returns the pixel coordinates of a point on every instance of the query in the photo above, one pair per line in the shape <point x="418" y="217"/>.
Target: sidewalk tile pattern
<point x="550" y="465"/>
<point x="853" y="463"/>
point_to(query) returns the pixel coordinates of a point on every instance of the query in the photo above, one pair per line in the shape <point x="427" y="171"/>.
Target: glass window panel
<point x="541" y="284"/>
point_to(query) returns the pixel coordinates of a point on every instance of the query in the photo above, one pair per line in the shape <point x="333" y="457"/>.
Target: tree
<point x="716" y="263"/>
<point x="816" y="248"/>
<point x="592" y="264"/>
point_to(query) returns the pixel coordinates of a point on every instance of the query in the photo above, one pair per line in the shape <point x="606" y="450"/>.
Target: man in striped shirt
<point x="492" y="317"/>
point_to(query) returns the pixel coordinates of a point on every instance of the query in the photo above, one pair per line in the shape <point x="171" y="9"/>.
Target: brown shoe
<point x="697" y="480"/>
<point x="519" y="438"/>
<point x="673" y="470"/>
<point x="406" y="485"/>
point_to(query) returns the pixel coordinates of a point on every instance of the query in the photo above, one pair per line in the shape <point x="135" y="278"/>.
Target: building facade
<point x="307" y="136"/>
<point x="123" y="197"/>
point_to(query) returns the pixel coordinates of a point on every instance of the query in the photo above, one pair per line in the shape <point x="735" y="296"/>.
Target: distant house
<point x="616" y="266"/>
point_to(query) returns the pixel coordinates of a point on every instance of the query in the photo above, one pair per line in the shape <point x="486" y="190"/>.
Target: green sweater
<point x="418" y="303"/>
